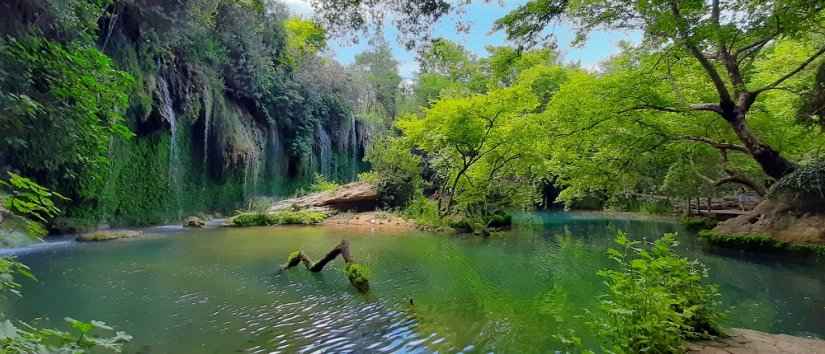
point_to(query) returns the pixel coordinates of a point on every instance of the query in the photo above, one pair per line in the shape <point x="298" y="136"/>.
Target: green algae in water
<point x="218" y="291"/>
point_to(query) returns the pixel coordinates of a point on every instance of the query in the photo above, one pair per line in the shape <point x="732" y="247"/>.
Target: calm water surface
<point x="217" y="291"/>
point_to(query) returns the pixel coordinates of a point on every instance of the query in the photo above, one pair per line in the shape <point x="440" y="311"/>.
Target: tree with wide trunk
<point x="725" y="37"/>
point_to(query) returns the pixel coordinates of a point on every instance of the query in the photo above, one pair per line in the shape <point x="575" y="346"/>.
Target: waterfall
<point x="207" y="115"/>
<point x="353" y="140"/>
<point x="325" y="152"/>
<point x="167" y="112"/>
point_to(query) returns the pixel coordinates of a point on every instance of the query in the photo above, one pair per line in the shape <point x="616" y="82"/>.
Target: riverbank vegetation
<point x="134" y="112"/>
<point x="706" y="106"/>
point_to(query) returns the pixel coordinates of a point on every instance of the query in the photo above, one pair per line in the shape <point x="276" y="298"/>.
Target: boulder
<point x="194" y="222"/>
<point x="357" y="196"/>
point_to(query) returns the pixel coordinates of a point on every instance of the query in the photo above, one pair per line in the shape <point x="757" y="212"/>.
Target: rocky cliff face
<point x="226" y="103"/>
<point x="204" y="142"/>
<point x="197" y="149"/>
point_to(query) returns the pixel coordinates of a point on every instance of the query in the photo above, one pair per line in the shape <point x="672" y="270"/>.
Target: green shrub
<point x="759" y="243"/>
<point x="698" y="223"/>
<point x="63" y="104"/>
<point x="300" y="217"/>
<point x="322" y="184"/>
<point x="656" y="300"/>
<point x="283" y="217"/>
<point x="398" y="171"/>
<point x="424" y="211"/>
<point x="369" y="177"/>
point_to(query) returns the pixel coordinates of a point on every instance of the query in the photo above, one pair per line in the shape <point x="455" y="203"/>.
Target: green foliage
<point x="250" y="219"/>
<point x="698" y="223"/>
<point x="284" y="217"/>
<point x="33" y="203"/>
<point x="807" y="182"/>
<point x="398" y="171"/>
<point x="656" y="300"/>
<point x="379" y="93"/>
<point x="484" y="148"/>
<point x="30" y="199"/>
<point x="424" y="211"/>
<point x="321" y="184"/>
<point x="760" y="243"/>
<point x="8" y="268"/>
<point x="62" y="105"/>
<point x="304" y="38"/>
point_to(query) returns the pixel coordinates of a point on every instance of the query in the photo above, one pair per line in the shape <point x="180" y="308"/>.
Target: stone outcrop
<point x="194" y="222"/>
<point x="778" y="219"/>
<point x="356" y="196"/>
<point x="746" y="341"/>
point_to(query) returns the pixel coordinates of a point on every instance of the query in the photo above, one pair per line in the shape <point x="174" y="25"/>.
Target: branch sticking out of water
<point x="356" y="273"/>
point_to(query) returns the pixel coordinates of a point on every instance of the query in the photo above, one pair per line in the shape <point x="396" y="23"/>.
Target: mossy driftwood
<point x="356" y="273"/>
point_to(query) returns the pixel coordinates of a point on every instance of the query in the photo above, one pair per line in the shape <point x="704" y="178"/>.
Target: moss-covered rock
<point x="358" y="275"/>
<point x="108" y="235"/>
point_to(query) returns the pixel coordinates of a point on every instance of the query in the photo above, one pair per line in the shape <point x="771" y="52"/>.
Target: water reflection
<point x="218" y="291"/>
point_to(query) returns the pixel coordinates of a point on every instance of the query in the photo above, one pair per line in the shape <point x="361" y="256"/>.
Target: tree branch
<point x="716" y="144"/>
<point x="713" y="74"/>
<point x="792" y="73"/>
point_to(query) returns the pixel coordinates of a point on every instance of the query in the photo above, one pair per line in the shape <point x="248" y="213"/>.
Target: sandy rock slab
<point x="746" y="341"/>
<point x="353" y="196"/>
<point x="371" y="220"/>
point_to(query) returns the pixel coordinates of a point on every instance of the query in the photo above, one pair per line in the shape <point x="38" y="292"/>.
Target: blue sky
<point x="481" y="16"/>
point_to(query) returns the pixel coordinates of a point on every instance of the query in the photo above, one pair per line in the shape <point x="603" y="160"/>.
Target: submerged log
<point x="356" y="273"/>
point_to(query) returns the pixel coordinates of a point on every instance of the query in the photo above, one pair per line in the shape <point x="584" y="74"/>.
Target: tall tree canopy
<point x="725" y="38"/>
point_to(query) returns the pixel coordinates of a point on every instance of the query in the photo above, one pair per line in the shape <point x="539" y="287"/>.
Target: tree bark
<point x="315" y="267"/>
<point x="771" y="162"/>
<point x="355" y="272"/>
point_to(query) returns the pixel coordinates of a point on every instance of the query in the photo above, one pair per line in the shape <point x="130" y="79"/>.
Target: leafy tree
<point x="61" y="107"/>
<point x="397" y="169"/>
<point x="484" y="147"/>
<point x="447" y="69"/>
<point x="304" y="38"/>
<point x="725" y="46"/>
<point x="724" y="38"/>
<point x="379" y="69"/>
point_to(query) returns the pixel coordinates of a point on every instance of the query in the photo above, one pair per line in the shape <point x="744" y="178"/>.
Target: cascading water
<point x="207" y="115"/>
<point x="167" y="111"/>
<point x="353" y="148"/>
<point x="324" y="152"/>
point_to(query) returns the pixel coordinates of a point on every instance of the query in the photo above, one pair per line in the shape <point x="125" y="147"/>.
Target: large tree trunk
<point x="772" y="163"/>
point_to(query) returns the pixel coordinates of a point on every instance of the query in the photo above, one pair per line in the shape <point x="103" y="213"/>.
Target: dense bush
<point x="285" y="217"/>
<point x="759" y="243"/>
<point x="656" y="300"/>
<point x="62" y="104"/>
<point x="398" y="171"/>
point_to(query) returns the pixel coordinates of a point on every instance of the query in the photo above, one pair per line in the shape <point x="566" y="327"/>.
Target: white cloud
<point x="408" y="69"/>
